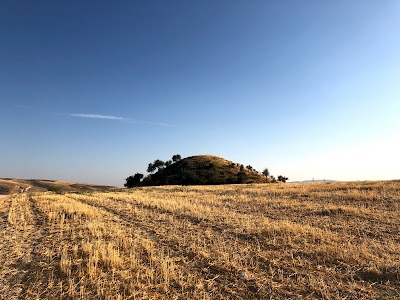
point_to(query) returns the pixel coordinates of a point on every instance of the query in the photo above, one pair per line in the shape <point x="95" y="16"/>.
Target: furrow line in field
<point x="5" y="203"/>
<point x="326" y="249"/>
<point x="21" y="237"/>
<point x="295" y="210"/>
<point x="327" y="220"/>
<point x="225" y="277"/>
<point x="36" y="265"/>
<point x="107" y="219"/>
<point x="247" y="227"/>
<point x="63" y="278"/>
<point x="181" y="231"/>
<point x="6" y="259"/>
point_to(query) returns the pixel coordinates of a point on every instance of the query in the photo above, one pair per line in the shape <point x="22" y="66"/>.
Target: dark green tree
<point x="241" y="175"/>
<point x="158" y="164"/>
<point x="266" y="172"/>
<point x="282" y="178"/>
<point x="151" y="168"/>
<point x="132" y="181"/>
<point x="168" y="163"/>
<point x="176" y="157"/>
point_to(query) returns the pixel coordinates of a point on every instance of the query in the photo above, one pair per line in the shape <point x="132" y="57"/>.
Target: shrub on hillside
<point x="176" y="157"/>
<point x="282" y="178"/>
<point x="266" y="172"/>
<point x="132" y="181"/>
<point x="241" y="175"/>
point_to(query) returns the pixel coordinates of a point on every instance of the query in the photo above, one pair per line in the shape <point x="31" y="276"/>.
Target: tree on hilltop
<point x="266" y="172"/>
<point x="158" y="164"/>
<point x="151" y="168"/>
<point x="176" y="157"/>
<point x="241" y="175"/>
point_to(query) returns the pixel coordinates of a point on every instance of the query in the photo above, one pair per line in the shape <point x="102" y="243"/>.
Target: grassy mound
<point x="203" y="170"/>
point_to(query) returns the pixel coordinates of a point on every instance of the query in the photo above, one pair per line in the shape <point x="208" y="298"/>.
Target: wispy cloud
<point x="95" y="116"/>
<point x="127" y="120"/>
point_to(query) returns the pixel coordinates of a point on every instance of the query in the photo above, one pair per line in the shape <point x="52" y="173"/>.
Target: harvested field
<point x="261" y="241"/>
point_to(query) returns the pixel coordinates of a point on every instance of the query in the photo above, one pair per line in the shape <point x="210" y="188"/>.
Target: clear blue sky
<point x="92" y="91"/>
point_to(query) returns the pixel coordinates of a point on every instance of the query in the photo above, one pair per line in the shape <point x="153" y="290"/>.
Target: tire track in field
<point x="5" y="203"/>
<point x="127" y="212"/>
<point x="63" y="284"/>
<point x="218" y="226"/>
<point x="314" y="212"/>
<point x="16" y="247"/>
<point x="305" y="212"/>
<point x="227" y="277"/>
<point x="36" y="266"/>
<point x="10" y="275"/>
<point x="21" y="236"/>
<point x="148" y="231"/>
<point x="108" y="215"/>
<point x="356" y="231"/>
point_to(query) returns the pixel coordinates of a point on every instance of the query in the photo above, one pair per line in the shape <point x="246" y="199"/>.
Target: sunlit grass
<point x="278" y="241"/>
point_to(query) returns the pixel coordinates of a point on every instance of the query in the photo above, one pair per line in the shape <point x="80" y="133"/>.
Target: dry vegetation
<point x="12" y="185"/>
<point x="270" y="241"/>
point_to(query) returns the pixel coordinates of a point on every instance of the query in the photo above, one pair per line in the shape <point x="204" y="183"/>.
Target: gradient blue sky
<point x="305" y="88"/>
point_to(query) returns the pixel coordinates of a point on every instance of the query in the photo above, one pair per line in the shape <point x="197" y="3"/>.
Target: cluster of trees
<point x="157" y="165"/>
<point x="267" y="174"/>
<point x="132" y="181"/>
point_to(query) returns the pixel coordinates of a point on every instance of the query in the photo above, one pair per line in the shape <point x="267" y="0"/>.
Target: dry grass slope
<point x="12" y="185"/>
<point x="268" y="241"/>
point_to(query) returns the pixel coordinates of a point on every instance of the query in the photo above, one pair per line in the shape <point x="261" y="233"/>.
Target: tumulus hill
<point x="203" y="170"/>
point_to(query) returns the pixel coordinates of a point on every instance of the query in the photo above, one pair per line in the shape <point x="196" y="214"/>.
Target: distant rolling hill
<point x="203" y="170"/>
<point x="12" y="185"/>
<point x="315" y="180"/>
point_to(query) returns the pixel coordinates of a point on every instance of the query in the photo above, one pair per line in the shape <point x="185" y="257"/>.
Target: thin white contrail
<point x="95" y="116"/>
<point x="128" y="120"/>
